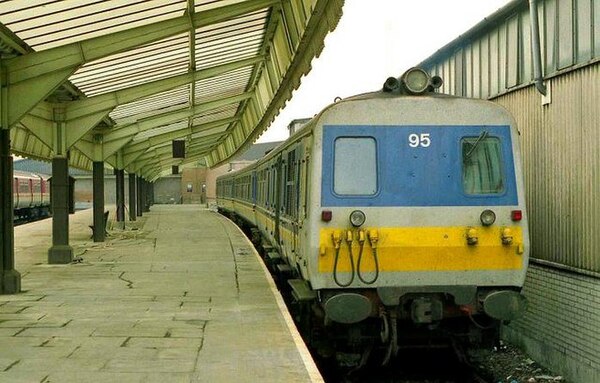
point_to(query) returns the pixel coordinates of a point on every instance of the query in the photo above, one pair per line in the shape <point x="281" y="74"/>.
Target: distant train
<point x="31" y="196"/>
<point x="398" y="217"/>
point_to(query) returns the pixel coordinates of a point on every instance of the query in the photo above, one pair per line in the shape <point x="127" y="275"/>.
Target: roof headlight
<point x="416" y="80"/>
<point x="487" y="218"/>
<point x="357" y="218"/>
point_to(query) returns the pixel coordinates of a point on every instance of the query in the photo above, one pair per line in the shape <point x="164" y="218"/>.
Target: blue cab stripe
<point x="421" y="176"/>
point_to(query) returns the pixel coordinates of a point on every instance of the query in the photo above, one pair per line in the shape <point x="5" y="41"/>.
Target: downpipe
<point x="536" y="48"/>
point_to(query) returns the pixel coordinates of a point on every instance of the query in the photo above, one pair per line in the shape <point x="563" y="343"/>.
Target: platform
<point x="180" y="296"/>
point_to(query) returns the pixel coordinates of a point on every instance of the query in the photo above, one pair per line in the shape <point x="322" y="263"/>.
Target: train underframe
<point x="382" y="335"/>
<point x="419" y="320"/>
<point x="31" y="213"/>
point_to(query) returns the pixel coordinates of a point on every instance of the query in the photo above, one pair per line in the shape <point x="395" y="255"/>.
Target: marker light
<point x="326" y="215"/>
<point x="507" y="236"/>
<point x="487" y="217"/>
<point x="516" y="215"/>
<point x="472" y="237"/>
<point x="416" y="80"/>
<point x="357" y="218"/>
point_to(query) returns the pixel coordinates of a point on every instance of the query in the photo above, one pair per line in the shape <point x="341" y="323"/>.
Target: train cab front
<point x="421" y="222"/>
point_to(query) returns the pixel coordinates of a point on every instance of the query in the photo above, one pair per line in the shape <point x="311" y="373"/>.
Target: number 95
<point x="422" y="140"/>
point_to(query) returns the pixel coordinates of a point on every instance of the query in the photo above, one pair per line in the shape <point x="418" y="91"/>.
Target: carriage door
<point x="302" y="200"/>
<point x="292" y="193"/>
<point x="278" y="202"/>
<point x="15" y="192"/>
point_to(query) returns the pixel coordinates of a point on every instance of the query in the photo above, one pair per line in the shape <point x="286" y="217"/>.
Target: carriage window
<point x="355" y="166"/>
<point x="24" y="187"/>
<point x="482" y="165"/>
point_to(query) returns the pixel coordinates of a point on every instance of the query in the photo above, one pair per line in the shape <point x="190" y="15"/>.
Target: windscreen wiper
<point x="481" y="137"/>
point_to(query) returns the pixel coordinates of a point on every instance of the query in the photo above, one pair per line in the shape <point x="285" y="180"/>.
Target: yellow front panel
<point x="425" y="249"/>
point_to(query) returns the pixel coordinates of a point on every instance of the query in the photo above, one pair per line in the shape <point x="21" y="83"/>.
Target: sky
<point x="376" y="39"/>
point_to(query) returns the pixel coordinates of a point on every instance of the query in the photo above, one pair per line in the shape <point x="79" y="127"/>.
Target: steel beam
<point x="108" y="101"/>
<point x="130" y="130"/>
<point x="32" y="77"/>
<point x="160" y="138"/>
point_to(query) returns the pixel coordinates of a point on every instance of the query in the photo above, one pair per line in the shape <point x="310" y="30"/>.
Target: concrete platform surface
<point x="179" y="296"/>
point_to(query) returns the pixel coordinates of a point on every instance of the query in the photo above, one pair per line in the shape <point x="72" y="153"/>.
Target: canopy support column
<point x="132" y="199"/>
<point x="151" y="184"/>
<point x="10" y="279"/>
<point x="145" y="187"/>
<point x="60" y="252"/>
<point x="98" y="186"/>
<point x="120" y="176"/>
<point x="140" y="210"/>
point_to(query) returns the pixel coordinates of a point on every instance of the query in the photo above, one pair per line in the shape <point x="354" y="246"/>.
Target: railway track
<point x="422" y="366"/>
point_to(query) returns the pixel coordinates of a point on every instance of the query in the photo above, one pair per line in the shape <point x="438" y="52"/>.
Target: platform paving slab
<point x="178" y="296"/>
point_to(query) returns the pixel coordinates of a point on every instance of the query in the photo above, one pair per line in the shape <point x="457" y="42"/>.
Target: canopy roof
<point x="119" y="80"/>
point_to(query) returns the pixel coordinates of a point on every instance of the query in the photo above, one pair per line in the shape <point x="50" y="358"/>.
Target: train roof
<point x="307" y="128"/>
<point x="23" y="174"/>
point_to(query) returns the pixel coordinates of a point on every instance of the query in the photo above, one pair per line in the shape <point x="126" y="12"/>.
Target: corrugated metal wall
<point x="561" y="158"/>
<point x="498" y="58"/>
<point x="561" y="150"/>
<point x="561" y="140"/>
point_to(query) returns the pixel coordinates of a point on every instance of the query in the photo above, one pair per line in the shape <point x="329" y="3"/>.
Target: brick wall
<point x="561" y="328"/>
<point x="193" y="185"/>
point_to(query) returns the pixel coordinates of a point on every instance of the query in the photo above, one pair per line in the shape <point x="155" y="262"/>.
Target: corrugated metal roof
<point x="111" y="74"/>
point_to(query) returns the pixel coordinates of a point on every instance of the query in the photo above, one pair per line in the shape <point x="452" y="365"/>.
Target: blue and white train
<point x="396" y="216"/>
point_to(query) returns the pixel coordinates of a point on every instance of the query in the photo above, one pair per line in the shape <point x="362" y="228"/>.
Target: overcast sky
<point x="376" y="39"/>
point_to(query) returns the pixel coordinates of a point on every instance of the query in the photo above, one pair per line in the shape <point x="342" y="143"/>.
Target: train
<point x="395" y="218"/>
<point x="31" y="196"/>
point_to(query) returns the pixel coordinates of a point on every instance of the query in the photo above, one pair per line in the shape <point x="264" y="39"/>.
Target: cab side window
<point x="482" y="165"/>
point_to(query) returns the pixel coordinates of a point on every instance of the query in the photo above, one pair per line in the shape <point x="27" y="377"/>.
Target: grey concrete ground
<point x="180" y="297"/>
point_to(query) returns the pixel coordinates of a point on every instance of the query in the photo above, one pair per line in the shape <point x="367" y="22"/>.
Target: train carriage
<point x="402" y="209"/>
<point x="31" y="196"/>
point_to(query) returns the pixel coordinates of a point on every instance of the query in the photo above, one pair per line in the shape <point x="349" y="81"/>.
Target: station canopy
<point x="120" y="80"/>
